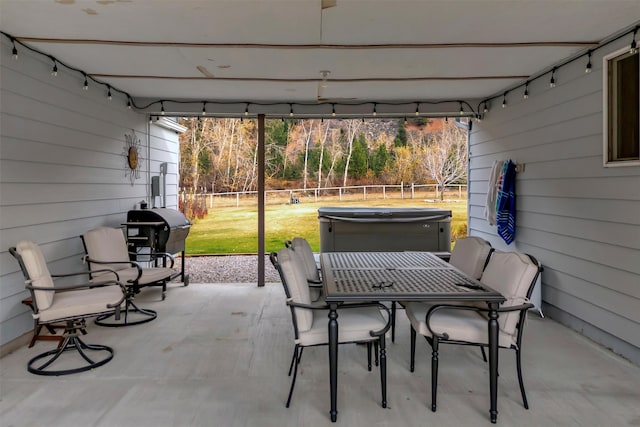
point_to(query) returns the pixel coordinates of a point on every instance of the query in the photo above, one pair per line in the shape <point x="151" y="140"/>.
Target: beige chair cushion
<point x="470" y="256"/>
<point x="461" y="325"/>
<point x="107" y="244"/>
<point x="296" y="281"/>
<point x="511" y="274"/>
<point x="79" y="303"/>
<point x="38" y="271"/>
<point x="354" y="325"/>
<point x="315" y="293"/>
<point x="305" y="254"/>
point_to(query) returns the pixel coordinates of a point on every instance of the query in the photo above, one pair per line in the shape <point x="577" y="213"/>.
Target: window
<point x="621" y="112"/>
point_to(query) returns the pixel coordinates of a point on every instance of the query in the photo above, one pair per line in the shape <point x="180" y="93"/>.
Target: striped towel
<point x="492" y="192"/>
<point x="506" y="209"/>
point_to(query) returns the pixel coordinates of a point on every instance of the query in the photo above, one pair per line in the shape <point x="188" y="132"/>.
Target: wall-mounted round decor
<point x="132" y="156"/>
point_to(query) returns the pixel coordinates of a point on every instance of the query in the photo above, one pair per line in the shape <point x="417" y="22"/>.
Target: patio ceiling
<point x="274" y="51"/>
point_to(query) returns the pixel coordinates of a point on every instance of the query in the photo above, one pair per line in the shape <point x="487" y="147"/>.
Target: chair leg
<point x="519" y="367"/>
<point x="293" y="359"/>
<point x="296" y="356"/>
<point x="484" y="355"/>
<point x="71" y="342"/>
<point x="412" y="363"/>
<point x="375" y="348"/>
<point x="434" y="372"/>
<point x="393" y="321"/>
<point x="369" y="356"/>
<point x="383" y="370"/>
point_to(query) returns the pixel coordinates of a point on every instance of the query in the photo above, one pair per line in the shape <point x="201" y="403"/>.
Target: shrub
<point x="193" y="208"/>
<point x="458" y="231"/>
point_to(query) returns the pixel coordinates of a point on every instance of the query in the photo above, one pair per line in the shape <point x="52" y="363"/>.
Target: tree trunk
<point x="322" y="142"/>
<point x="352" y="129"/>
<point x="307" y="139"/>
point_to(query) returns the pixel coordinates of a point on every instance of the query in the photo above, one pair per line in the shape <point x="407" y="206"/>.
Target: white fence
<point x="428" y="192"/>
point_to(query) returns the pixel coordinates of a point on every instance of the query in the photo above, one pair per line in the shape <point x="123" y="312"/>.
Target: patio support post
<point x="493" y="360"/>
<point x="261" y="200"/>
<point x="333" y="359"/>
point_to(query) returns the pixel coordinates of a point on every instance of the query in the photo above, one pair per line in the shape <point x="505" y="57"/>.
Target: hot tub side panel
<point x="384" y="230"/>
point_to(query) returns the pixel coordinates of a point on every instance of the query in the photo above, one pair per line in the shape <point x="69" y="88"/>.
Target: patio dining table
<point x="401" y="276"/>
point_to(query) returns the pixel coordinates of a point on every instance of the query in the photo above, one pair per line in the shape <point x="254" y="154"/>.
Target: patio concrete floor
<point x="218" y="355"/>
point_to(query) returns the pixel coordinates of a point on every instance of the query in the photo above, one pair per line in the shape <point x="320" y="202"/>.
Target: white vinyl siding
<point x="62" y="170"/>
<point x="580" y="219"/>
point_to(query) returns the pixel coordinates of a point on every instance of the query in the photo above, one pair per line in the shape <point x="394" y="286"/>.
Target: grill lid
<point x="171" y="217"/>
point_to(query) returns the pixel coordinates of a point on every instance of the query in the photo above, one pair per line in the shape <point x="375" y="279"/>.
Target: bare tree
<point x="199" y="142"/>
<point x="353" y="127"/>
<point x="323" y="139"/>
<point x="308" y="135"/>
<point x="445" y="158"/>
<point x="334" y="149"/>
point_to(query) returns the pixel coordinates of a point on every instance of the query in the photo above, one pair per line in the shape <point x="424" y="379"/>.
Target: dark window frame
<point x="621" y="126"/>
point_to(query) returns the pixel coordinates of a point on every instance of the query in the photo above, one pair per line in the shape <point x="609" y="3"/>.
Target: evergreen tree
<point x="380" y="159"/>
<point x="359" y="158"/>
<point x="276" y="137"/>
<point x="401" y="136"/>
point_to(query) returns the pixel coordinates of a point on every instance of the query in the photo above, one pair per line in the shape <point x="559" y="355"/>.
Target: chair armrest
<point x="130" y="263"/>
<point x="308" y="306"/>
<point x="520" y="307"/>
<point x="372" y="304"/>
<point x="80" y="273"/>
<point x="68" y="287"/>
<point x="165" y="255"/>
<point x="314" y="283"/>
<point x="438" y="307"/>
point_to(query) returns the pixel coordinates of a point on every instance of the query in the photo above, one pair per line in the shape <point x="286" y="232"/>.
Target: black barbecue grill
<point x="158" y="230"/>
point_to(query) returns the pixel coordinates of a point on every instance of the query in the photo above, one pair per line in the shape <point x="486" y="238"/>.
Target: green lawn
<point x="234" y="230"/>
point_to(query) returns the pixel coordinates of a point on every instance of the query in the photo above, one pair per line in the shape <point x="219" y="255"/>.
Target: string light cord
<point x="475" y="112"/>
<point x="131" y="102"/>
<point x="551" y="71"/>
<point x="290" y="106"/>
<point x="58" y="63"/>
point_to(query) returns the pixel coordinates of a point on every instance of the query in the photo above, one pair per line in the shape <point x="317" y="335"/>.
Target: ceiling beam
<point x="308" y="46"/>
<point x="305" y="80"/>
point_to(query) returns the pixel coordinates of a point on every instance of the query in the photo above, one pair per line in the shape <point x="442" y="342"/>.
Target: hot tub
<point x="348" y="229"/>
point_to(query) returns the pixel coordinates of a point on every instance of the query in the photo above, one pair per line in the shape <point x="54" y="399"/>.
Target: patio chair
<point x="68" y="304"/>
<point x="303" y="252"/>
<point x="510" y="273"/>
<point x="304" y="255"/>
<point x="358" y="323"/>
<point x="470" y="255"/>
<point x="107" y="247"/>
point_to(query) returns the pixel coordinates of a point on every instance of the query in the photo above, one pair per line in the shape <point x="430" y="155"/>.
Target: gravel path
<point x="228" y="269"/>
